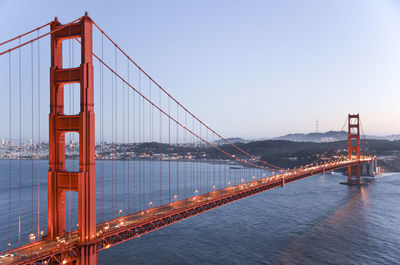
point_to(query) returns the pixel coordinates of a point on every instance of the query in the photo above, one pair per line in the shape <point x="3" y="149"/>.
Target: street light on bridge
<point x="32" y="238"/>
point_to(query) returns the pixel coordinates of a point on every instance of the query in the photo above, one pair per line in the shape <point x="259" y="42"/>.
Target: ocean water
<point x="311" y="221"/>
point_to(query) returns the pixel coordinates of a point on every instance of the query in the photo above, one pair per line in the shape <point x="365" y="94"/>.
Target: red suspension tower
<point x="354" y="148"/>
<point x="59" y="180"/>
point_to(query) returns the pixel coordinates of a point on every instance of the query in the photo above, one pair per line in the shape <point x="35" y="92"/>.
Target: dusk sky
<point x="253" y="69"/>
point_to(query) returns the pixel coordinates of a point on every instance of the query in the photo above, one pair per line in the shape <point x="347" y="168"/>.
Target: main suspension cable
<point x="22" y="35"/>
<point x="41" y="36"/>
<point x="173" y="119"/>
<point x="178" y="103"/>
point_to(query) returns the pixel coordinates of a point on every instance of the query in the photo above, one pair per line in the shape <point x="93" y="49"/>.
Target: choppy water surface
<point x="312" y="221"/>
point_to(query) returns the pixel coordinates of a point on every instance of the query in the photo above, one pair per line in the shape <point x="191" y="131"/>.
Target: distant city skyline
<point x="272" y="67"/>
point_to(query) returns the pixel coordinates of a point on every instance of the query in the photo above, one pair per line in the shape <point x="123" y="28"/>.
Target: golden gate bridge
<point x="133" y="109"/>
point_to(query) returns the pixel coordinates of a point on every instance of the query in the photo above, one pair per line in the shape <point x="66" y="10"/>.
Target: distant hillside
<point x="232" y="140"/>
<point x="288" y="154"/>
<point x="330" y="136"/>
<point x="393" y="137"/>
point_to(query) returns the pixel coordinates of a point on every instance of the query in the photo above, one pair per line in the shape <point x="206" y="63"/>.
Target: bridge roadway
<point x="127" y="227"/>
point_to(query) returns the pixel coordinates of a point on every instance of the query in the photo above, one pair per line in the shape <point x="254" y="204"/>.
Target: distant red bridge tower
<point x="354" y="148"/>
<point x="59" y="180"/>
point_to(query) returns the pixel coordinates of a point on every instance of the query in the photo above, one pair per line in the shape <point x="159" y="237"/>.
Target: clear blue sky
<point x="254" y="69"/>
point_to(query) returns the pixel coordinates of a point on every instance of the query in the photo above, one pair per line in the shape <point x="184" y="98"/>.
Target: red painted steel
<point x="354" y="150"/>
<point x="59" y="180"/>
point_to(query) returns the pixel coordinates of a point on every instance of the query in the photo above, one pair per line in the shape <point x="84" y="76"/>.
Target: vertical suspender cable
<point x="123" y="146"/>
<point x="193" y="157"/>
<point x="129" y="188"/>
<point x="124" y="149"/>
<point x="20" y="146"/>
<point x="207" y="165"/>
<point x="185" y="158"/>
<point x="177" y="152"/>
<point x="200" y="174"/>
<point x="153" y="149"/>
<point x="116" y="132"/>
<point x="39" y="154"/>
<point x="160" y="169"/>
<point x="198" y="165"/>
<point x="219" y="173"/>
<point x="140" y="141"/>
<point x="204" y="166"/>
<point x="226" y="179"/>
<point x="31" y="142"/>
<point x="101" y="136"/>
<point x="151" y="143"/>
<point x="212" y="167"/>
<point x="143" y="148"/>
<point x="112" y="146"/>
<point x="169" y="150"/>
<point x="135" y="148"/>
<point x="150" y="164"/>
<point x="102" y="129"/>
<point x="10" y="147"/>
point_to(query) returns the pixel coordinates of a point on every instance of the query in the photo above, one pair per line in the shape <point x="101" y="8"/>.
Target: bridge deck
<point x="127" y="227"/>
